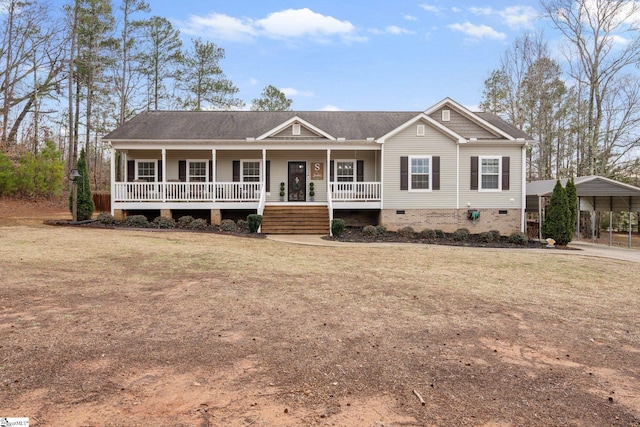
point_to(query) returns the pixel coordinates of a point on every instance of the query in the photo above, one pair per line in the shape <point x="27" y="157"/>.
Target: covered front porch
<point x="163" y="178"/>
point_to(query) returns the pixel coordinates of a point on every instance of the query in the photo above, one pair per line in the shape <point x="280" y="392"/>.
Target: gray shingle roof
<point x="240" y="125"/>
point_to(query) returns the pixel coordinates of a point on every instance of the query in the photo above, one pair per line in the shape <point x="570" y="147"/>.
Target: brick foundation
<point x="506" y="221"/>
<point x="165" y="213"/>
<point x="118" y="214"/>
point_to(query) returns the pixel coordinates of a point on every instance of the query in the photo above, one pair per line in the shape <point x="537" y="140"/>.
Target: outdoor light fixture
<point x="73" y="177"/>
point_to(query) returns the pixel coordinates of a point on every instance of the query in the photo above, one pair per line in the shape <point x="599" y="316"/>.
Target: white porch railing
<point x="355" y="191"/>
<point x="187" y="191"/>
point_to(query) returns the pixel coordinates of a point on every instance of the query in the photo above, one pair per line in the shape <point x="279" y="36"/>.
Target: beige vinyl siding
<point x="407" y="143"/>
<point x="279" y="172"/>
<point x="371" y="162"/>
<point x="224" y="162"/>
<point x="173" y="156"/>
<point x="509" y="199"/>
<point x="462" y="125"/>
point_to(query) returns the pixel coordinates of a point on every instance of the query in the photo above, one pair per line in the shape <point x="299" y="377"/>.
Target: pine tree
<point x="558" y="215"/>
<point x="572" y="198"/>
<point x="85" y="201"/>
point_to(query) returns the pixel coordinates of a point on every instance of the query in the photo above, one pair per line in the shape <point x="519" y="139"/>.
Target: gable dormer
<point x="296" y="128"/>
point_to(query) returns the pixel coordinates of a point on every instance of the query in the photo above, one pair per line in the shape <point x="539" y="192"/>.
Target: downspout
<point x="458" y="176"/>
<point x="113" y="178"/>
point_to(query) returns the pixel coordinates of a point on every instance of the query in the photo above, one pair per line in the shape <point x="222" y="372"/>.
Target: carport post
<point x="630" y="227"/>
<point x="540" y="217"/>
<point x="610" y="228"/>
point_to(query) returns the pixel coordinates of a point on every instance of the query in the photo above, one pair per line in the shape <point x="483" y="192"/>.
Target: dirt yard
<point x="139" y="328"/>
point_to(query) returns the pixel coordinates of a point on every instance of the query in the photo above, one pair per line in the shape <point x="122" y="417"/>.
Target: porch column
<point x="263" y="170"/>
<point x="113" y="177"/>
<point x="328" y="173"/>
<point x="212" y="178"/>
<point x="164" y="174"/>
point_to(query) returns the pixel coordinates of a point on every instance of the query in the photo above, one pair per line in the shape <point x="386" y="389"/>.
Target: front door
<point x="297" y="181"/>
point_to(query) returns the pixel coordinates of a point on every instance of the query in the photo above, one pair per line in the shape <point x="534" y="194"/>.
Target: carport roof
<point x="586" y="186"/>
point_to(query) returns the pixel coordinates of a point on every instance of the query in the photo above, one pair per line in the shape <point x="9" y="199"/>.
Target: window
<point x="250" y="171"/>
<point x="419" y="172"/>
<point x="146" y="170"/>
<point x="490" y="173"/>
<point x="345" y="171"/>
<point x="197" y="171"/>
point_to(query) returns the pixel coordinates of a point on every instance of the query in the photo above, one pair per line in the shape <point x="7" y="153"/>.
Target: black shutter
<point x="131" y="170"/>
<point x="435" y="165"/>
<point x="332" y="170"/>
<point x="360" y="171"/>
<point x="474" y="173"/>
<point x="210" y="170"/>
<point x="404" y="173"/>
<point x="267" y="175"/>
<point x="182" y="170"/>
<point x="505" y="173"/>
<point x="236" y="171"/>
<point x="159" y="170"/>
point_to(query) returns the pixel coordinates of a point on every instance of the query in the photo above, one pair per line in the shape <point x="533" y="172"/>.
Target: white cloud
<point x="430" y="8"/>
<point x="285" y="24"/>
<point x="410" y="17"/>
<point x="392" y="29"/>
<point x="253" y="81"/>
<point x="289" y="91"/>
<point x="456" y="9"/>
<point x="219" y="26"/>
<point x="477" y="32"/>
<point x="304" y="22"/>
<point x="330" y="107"/>
<point x="519" y="16"/>
<point x="515" y="17"/>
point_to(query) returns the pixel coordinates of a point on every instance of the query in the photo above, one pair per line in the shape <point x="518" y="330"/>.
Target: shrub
<point x="518" y="238"/>
<point x="243" y="225"/>
<point x="254" y="221"/>
<point x="407" y="232"/>
<point x="495" y="235"/>
<point x="137" y="221"/>
<point x="370" y="230"/>
<point x="106" y="218"/>
<point x="487" y="236"/>
<point x="461" y="234"/>
<point x="428" y="234"/>
<point x="198" y="224"/>
<point x="556" y="223"/>
<point x="440" y="234"/>
<point x="381" y="230"/>
<point x="185" y="221"/>
<point x="228" y="225"/>
<point x="337" y="227"/>
<point x="162" y="222"/>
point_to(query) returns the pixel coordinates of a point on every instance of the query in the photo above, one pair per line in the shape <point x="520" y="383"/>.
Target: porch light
<point x="74" y="174"/>
<point x="73" y="177"/>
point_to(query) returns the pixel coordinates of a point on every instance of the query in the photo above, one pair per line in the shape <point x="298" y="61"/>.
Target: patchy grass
<point x="169" y="328"/>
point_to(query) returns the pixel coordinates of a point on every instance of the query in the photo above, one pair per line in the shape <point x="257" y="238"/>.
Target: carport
<point x="595" y="194"/>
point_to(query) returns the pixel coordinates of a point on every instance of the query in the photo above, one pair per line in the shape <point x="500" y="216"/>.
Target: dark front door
<point x="297" y="181"/>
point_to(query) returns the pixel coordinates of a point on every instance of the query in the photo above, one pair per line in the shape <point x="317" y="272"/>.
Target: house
<point x="443" y="168"/>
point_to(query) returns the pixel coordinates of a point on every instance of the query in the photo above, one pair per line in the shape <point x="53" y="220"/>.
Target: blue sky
<point x="357" y="55"/>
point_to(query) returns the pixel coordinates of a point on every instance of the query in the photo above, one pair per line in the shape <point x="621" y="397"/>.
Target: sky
<point x="380" y="55"/>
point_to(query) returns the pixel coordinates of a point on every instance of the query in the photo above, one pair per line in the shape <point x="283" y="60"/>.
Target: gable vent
<point x="446" y="115"/>
<point x="296" y="129"/>
<point x="420" y="130"/>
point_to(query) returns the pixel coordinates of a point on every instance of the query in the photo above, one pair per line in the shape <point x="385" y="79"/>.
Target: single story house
<point x="443" y="168"/>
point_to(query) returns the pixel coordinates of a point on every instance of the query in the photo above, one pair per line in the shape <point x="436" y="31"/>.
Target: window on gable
<point x="250" y="171"/>
<point x="490" y="173"/>
<point x="345" y="170"/>
<point x="419" y="173"/>
<point x="197" y="171"/>
<point x="146" y="170"/>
